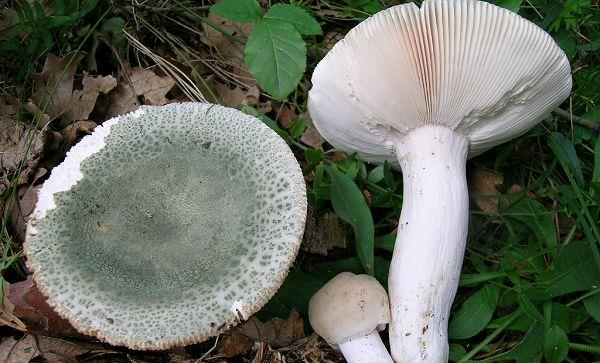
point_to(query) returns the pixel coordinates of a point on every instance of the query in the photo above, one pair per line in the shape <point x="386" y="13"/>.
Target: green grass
<point x="538" y="253"/>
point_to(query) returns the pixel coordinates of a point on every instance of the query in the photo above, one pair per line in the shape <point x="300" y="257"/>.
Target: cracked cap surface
<point x="167" y="225"/>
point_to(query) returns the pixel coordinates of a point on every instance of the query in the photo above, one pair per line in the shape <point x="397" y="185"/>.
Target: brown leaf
<point x="142" y="82"/>
<point x="227" y="50"/>
<point x="8" y="19"/>
<point x="276" y="333"/>
<point x="311" y="136"/>
<point x="324" y="231"/>
<point x="30" y="305"/>
<point x="286" y="116"/>
<point x="84" y="100"/>
<point x="484" y="181"/>
<point x="55" y="83"/>
<point x="18" y="351"/>
<point x="22" y="209"/>
<point x="15" y="146"/>
<point x="71" y="133"/>
<point x="51" y="350"/>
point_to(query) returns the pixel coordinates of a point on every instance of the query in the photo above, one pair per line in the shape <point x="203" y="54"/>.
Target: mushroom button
<point x="168" y="225"/>
<point x="424" y="89"/>
<point x="348" y="311"/>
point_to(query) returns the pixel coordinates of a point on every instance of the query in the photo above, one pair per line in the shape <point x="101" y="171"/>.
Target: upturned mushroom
<point x="424" y="89"/>
<point x="348" y="312"/>
<point x="168" y="225"/>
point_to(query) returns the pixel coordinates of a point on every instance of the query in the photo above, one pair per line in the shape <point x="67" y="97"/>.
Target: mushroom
<point x="424" y="89"/>
<point x="168" y="225"/>
<point x="348" y="312"/>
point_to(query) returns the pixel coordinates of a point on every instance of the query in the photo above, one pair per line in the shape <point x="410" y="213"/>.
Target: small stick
<point x="578" y="120"/>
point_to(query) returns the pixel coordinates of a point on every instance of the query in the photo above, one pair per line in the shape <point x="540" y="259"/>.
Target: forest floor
<point x="530" y="284"/>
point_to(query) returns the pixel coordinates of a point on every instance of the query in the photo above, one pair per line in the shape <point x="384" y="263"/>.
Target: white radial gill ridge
<point x="479" y="69"/>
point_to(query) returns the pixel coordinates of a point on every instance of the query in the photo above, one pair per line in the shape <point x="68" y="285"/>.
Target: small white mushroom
<point x="348" y="312"/>
<point x="168" y="225"/>
<point x="424" y="89"/>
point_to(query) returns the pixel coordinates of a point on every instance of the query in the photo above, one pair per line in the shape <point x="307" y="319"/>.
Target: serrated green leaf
<point x="304" y="23"/>
<point x="243" y="11"/>
<point x="350" y="205"/>
<point x="475" y="313"/>
<point x="276" y="56"/>
<point x="556" y="345"/>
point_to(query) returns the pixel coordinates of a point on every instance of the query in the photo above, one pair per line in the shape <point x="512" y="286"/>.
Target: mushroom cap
<point x="168" y="225"/>
<point x="479" y="69"/>
<point x="348" y="306"/>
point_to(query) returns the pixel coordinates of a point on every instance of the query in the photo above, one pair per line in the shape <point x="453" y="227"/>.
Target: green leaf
<point x="386" y="242"/>
<point x="475" y="313"/>
<point x="243" y="11"/>
<point x="592" y="306"/>
<point x="350" y="205"/>
<point x="556" y="345"/>
<point x="457" y="351"/>
<point x="276" y="56"/>
<point x="376" y="175"/>
<point x="596" y="173"/>
<point x="566" y="154"/>
<point x="527" y="349"/>
<point x="326" y="271"/>
<point x="304" y="23"/>
<point x="529" y="308"/>
<point x="575" y="270"/>
<point x="313" y="156"/>
<point x="297" y="129"/>
<point x="512" y="5"/>
<point x="297" y="289"/>
<point x="112" y="29"/>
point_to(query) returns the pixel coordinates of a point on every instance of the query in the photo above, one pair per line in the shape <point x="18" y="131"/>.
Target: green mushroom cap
<point x="168" y="225"/>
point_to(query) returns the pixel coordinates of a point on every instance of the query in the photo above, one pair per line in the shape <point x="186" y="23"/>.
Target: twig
<point x="578" y="120"/>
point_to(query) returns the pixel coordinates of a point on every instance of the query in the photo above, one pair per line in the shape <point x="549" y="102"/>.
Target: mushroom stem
<point x="367" y="349"/>
<point x="431" y="241"/>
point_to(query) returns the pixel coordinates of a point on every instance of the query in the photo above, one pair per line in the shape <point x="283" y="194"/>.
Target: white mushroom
<point x="424" y="89"/>
<point x="348" y="312"/>
<point x="167" y="225"/>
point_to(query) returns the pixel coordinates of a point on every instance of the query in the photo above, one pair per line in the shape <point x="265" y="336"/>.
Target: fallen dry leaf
<point x="54" y="85"/>
<point x="51" y="350"/>
<point x="286" y="116"/>
<point x="22" y="209"/>
<point x="228" y="51"/>
<point x="19" y="142"/>
<point x="18" y="351"/>
<point x="276" y="333"/>
<point x="311" y="136"/>
<point x="71" y="133"/>
<point x="143" y="83"/>
<point x="65" y="103"/>
<point x="324" y="231"/>
<point x="84" y="100"/>
<point x="484" y="182"/>
<point x="29" y="305"/>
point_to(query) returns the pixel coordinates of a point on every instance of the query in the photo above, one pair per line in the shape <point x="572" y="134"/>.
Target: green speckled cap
<point x="168" y="225"/>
